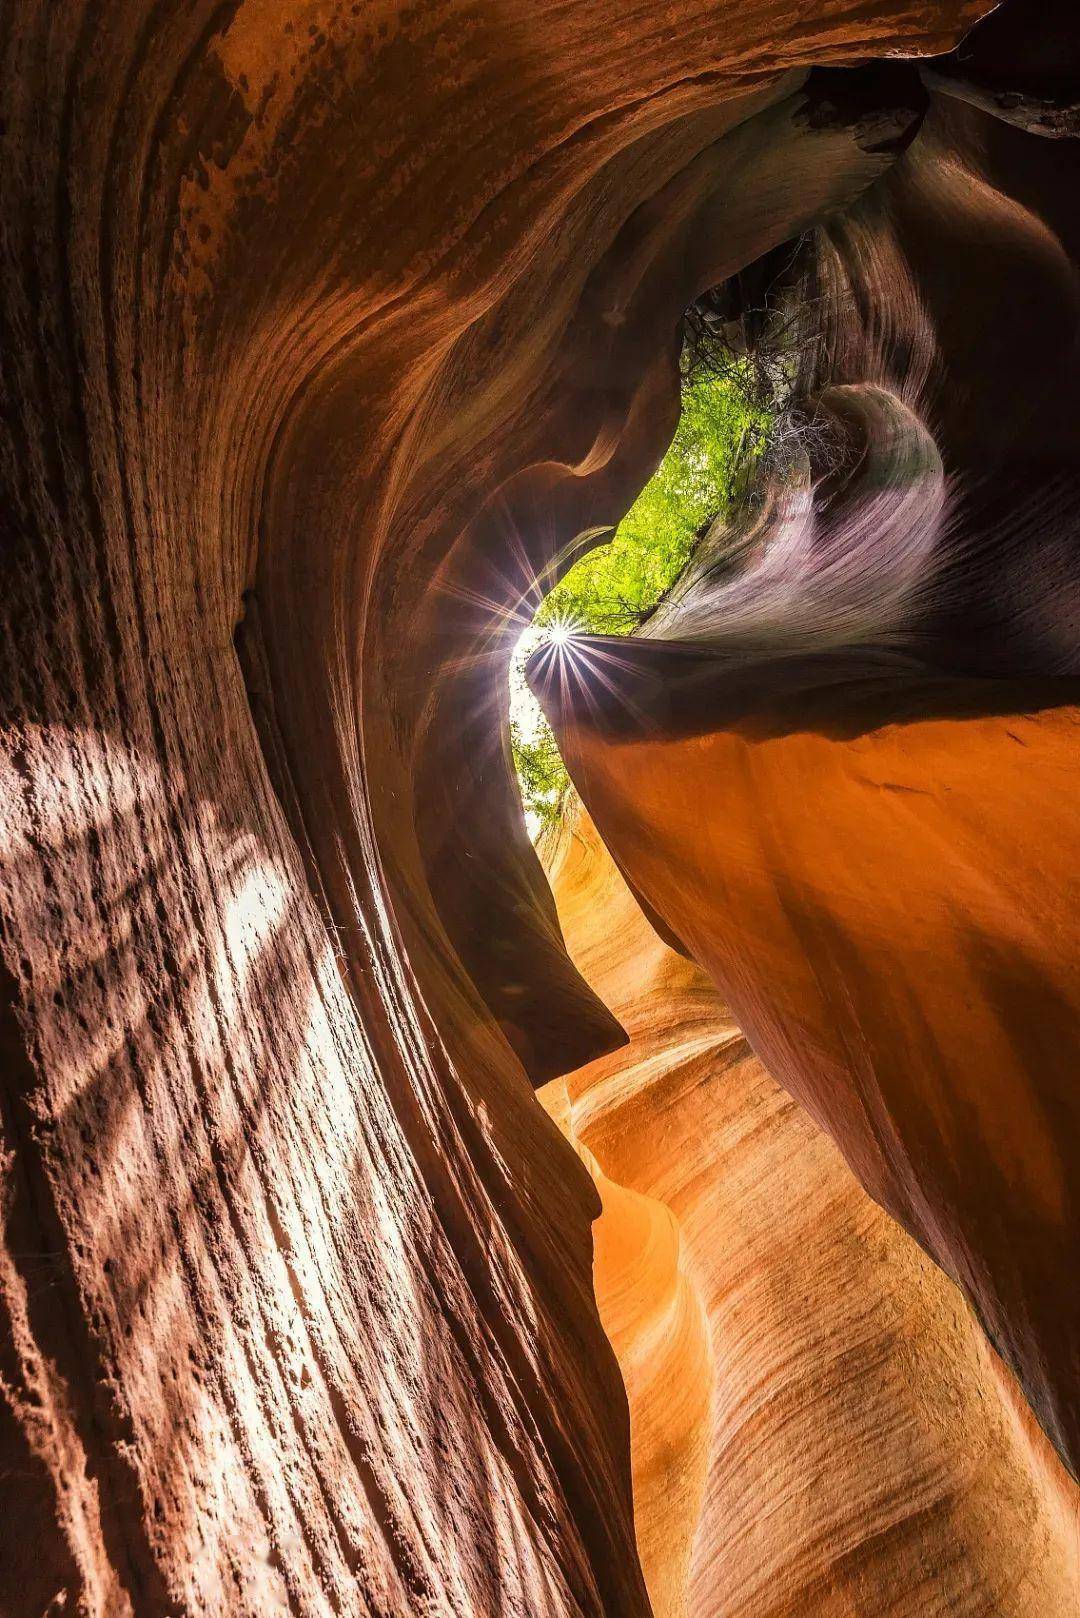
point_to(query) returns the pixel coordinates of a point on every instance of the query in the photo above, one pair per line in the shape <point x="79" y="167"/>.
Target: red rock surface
<point x="780" y="1338"/>
<point x="890" y="903"/>
<point x="322" y="326"/>
<point x="841" y="773"/>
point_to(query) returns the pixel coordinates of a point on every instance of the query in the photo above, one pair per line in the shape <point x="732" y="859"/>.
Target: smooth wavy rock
<point x="324" y="325"/>
<point x="780" y="1337"/>
<point x="841" y="775"/>
<point x="888" y="897"/>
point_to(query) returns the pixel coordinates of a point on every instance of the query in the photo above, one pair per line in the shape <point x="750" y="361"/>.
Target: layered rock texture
<point x="879" y="712"/>
<point x="324" y="328"/>
<point x="781" y="1339"/>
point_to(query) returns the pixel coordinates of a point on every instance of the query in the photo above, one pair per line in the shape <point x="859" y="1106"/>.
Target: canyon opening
<point x="539" y="945"/>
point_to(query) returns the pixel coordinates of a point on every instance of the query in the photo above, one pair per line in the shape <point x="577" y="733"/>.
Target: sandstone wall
<point x="842" y="776"/>
<point x="817" y="1424"/>
<point x="322" y="327"/>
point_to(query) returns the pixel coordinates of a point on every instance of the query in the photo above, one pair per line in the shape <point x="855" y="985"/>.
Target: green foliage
<point x="541" y="773"/>
<point x="722" y="431"/>
<point x="614" y="587"/>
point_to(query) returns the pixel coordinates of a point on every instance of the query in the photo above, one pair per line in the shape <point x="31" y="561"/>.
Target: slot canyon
<point x="673" y="1217"/>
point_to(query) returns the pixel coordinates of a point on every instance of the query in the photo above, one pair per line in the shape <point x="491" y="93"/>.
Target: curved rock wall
<point x="843" y="777"/>
<point x="890" y="900"/>
<point x="781" y="1339"/>
<point x="323" y="327"/>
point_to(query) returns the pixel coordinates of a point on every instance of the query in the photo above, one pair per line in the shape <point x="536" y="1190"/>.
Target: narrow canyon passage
<point x="331" y="332"/>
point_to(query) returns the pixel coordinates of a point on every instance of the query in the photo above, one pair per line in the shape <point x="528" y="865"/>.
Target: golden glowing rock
<point x="781" y="1339"/>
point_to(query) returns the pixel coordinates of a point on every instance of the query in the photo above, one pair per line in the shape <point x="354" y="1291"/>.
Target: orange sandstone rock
<point x="817" y="1425"/>
<point x="889" y="901"/>
<point x="322" y="326"/>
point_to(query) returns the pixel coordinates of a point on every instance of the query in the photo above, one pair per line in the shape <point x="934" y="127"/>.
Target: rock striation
<point x="880" y="711"/>
<point x="324" y="326"/>
<point x="780" y="1338"/>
